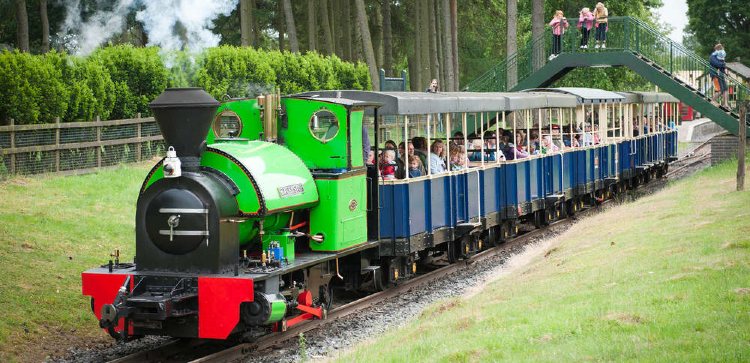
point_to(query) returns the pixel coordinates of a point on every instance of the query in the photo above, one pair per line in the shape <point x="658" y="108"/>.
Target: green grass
<point x="52" y="229"/>
<point x="663" y="279"/>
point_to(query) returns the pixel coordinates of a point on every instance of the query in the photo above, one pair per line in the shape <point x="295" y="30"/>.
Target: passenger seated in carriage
<point x="420" y="148"/>
<point x="548" y="146"/>
<point x="437" y="157"/>
<point x="415" y="167"/>
<point x="388" y="164"/>
<point x="404" y="156"/>
<point x="520" y="150"/>
<point x="370" y="157"/>
<point x="489" y="148"/>
<point x="458" y="158"/>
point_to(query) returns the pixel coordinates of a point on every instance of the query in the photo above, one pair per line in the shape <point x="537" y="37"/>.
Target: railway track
<point x="196" y="351"/>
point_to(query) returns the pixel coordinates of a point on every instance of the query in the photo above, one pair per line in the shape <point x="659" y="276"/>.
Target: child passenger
<point x="415" y="166"/>
<point x="388" y="164"/>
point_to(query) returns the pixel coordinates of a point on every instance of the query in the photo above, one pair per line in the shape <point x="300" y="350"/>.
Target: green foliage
<point x="33" y="90"/>
<point x="726" y="22"/>
<point x="139" y="76"/>
<point x="246" y="72"/>
<point x="350" y="75"/>
<point x="302" y="343"/>
<point x="612" y="79"/>
<point x="119" y="82"/>
<point x="3" y="169"/>
<point x="234" y="71"/>
<point x="92" y="90"/>
<point x="181" y="68"/>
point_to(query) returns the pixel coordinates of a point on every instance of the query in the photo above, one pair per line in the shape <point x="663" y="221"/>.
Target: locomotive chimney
<point x="184" y="116"/>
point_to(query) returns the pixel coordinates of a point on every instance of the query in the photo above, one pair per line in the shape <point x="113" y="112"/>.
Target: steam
<point x="183" y="24"/>
<point x="98" y="28"/>
<point x="170" y="24"/>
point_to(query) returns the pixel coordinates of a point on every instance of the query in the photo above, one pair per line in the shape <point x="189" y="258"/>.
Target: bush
<point x="233" y="71"/>
<point x="139" y="76"/>
<point x="119" y="82"/>
<point x="32" y="88"/>
<point x="92" y="92"/>
<point x="349" y="75"/>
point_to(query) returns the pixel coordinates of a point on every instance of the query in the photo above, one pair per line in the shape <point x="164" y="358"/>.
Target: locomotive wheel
<point x="325" y="296"/>
<point x="550" y="215"/>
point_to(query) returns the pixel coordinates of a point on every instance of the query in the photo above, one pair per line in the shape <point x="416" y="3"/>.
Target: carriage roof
<point x="420" y="103"/>
<point x="654" y="97"/>
<point x="584" y="95"/>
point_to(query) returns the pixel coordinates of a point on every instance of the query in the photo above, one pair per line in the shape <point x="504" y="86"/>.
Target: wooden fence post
<point x="741" y="148"/>
<point x="98" y="140"/>
<point x="12" y="146"/>
<point x="57" y="144"/>
<point x="138" y="146"/>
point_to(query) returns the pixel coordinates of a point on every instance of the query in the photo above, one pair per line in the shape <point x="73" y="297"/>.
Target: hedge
<point x="119" y="81"/>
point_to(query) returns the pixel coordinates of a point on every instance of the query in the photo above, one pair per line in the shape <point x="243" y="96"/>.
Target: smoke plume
<point x="169" y="24"/>
<point x="98" y="28"/>
<point x="183" y="24"/>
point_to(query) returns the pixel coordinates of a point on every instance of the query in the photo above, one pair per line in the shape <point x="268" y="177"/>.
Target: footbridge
<point x="630" y="43"/>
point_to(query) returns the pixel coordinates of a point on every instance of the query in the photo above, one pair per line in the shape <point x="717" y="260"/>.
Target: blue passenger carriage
<point x="486" y="162"/>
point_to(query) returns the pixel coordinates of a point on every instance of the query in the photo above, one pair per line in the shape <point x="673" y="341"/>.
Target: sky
<point x="674" y="13"/>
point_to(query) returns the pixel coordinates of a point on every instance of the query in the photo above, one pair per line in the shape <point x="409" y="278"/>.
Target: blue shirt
<point x="437" y="165"/>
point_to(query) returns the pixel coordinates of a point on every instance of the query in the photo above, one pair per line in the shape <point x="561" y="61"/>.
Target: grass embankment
<point x="51" y="229"/>
<point x="666" y="278"/>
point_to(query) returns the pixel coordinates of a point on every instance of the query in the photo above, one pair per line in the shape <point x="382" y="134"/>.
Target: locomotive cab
<point x="327" y="133"/>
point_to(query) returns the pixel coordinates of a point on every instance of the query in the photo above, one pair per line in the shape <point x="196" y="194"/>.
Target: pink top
<point x="558" y="25"/>
<point x="586" y="20"/>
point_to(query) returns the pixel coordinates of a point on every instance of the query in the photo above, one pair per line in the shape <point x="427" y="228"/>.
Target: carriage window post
<point x="481" y="137"/>
<point x="406" y="146"/>
<point x="497" y="136"/>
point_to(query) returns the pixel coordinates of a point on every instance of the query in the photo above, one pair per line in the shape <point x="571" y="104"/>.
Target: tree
<point x="454" y="39"/>
<point x="450" y="75"/>
<point x="387" y="37"/>
<point x="246" y="23"/>
<point x="364" y="30"/>
<point x="22" y="26"/>
<point x="433" y="35"/>
<point x="45" y="25"/>
<point x="414" y="57"/>
<point x="511" y="12"/>
<point x="726" y="22"/>
<point x="424" y="41"/>
<point x="312" y="30"/>
<point x="291" y="29"/>
<point x="326" y="25"/>
<point x="537" y="30"/>
<point x="280" y="24"/>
